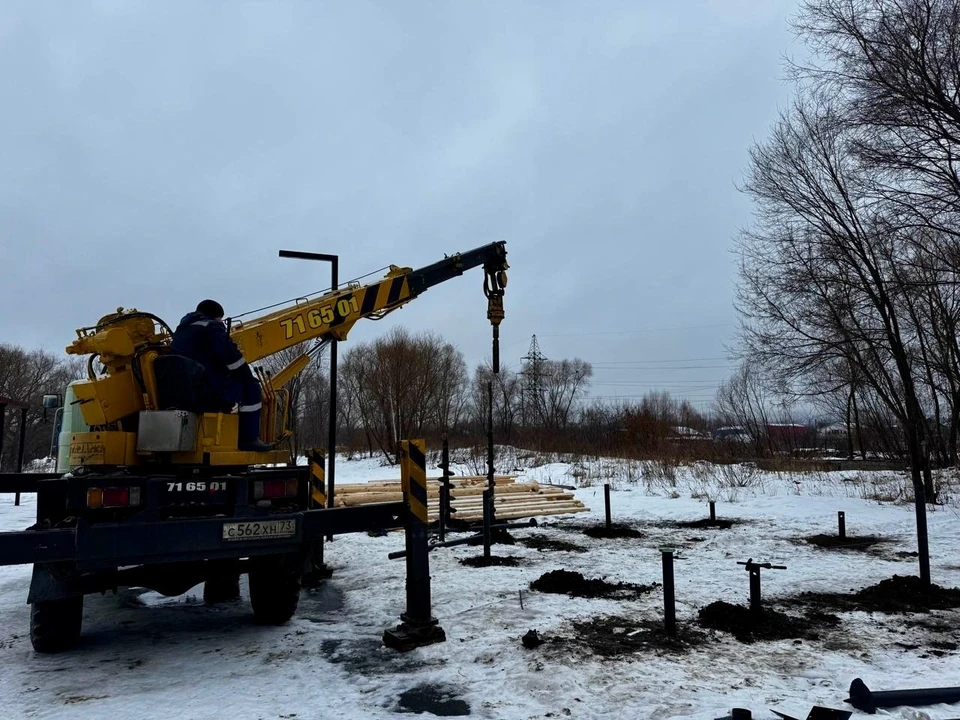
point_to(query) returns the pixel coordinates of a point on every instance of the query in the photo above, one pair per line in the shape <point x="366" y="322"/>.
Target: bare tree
<point x="822" y="270"/>
<point x="564" y="384"/>
<point x="403" y="386"/>
<point x="896" y="66"/>
<point x="25" y="376"/>
<point x="506" y="399"/>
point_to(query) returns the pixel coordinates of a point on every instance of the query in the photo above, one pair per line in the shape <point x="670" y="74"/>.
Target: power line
<point x="638" y="332"/>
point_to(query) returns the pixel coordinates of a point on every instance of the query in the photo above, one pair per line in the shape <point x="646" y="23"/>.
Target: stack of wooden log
<point x="513" y="500"/>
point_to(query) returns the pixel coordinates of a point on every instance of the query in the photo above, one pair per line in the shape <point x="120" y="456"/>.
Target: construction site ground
<point x="592" y="596"/>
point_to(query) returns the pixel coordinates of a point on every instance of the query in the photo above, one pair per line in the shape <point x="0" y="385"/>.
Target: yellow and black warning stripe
<point x="384" y="294"/>
<point x="413" y="466"/>
<point x="318" y="482"/>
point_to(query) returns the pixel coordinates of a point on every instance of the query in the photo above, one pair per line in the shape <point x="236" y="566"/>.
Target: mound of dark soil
<point x="565" y="582"/>
<point x="481" y="561"/>
<point x="616" y="530"/>
<point x="542" y="542"/>
<point x="769" y="624"/>
<point x="898" y="594"/>
<point x="498" y="536"/>
<point x="614" y="636"/>
<point x="845" y="543"/>
<point x="707" y="523"/>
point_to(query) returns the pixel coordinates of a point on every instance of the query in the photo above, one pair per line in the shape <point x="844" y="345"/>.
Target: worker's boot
<point x="255" y="446"/>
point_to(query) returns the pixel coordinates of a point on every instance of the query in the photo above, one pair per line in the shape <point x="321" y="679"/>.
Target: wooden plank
<point x="516" y="515"/>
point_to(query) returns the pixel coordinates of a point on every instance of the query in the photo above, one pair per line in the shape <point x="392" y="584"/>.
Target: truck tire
<point x="55" y="624"/>
<point x="274" y="591"/>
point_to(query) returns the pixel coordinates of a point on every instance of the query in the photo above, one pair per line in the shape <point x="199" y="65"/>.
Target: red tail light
<point x="270" y="489"/>
<point x="113" y="497"/>
<point x="116" y="497"/>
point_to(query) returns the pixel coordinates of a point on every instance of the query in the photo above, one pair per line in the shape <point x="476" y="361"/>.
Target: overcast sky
<point x="156" y="153"/>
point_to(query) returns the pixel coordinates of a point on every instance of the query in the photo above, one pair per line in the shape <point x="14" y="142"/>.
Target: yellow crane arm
<point x="331" y="316"/>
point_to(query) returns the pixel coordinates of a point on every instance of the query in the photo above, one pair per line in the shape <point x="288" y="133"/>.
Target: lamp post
<point x="334" y="261"/>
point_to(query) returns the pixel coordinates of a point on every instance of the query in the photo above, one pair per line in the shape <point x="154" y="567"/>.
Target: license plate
<point x="259" y="530"/>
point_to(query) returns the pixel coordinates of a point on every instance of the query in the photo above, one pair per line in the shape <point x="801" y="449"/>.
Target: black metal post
<point x="490" y="481"/>
<point x="332" y="430"/>
<point x="923" y="542"/>
<point x="842" y="524"/>
<point x="755" y="605"/>
<point x="487" y="522"/>
<point x="23" y="437"/>
<point x="713" y="511"/>
<point x="3" y="414"/>
<point x="444" y="488"/>
<point x="754" y="570"/>
<point x="606" y="502"/>
<point x="334" y="261"/>
<point x="669" y="601"/>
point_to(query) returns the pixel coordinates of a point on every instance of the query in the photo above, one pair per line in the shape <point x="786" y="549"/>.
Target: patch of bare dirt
<point x="616" y="530"/>
<point x="615" y="636"/>
<point x="718" y="523"/>
<point x="542" y="542"/>
<point x="835" y="542"/>
<point x="481" y="561"/>
<point x="748" y="626"/>
<point x="897" y="594"/>
<point x="565" y="582"/>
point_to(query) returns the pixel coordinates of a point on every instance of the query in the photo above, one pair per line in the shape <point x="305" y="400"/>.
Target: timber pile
<point x="513" y="500"/>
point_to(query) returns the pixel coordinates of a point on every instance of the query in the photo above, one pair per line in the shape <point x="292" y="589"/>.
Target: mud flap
<point x="54" y="581"/>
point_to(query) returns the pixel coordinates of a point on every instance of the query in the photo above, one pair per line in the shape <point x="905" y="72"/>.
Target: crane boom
<point x="129" y="342"/>
<point x="332" y="315"/>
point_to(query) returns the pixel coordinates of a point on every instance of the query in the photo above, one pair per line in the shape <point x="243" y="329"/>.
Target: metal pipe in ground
<point x="606" y="503"/>
<point x="669" y="599"/>
<point x="3" y="414"/>
<point x="713" y="511"/>
<point x="23" y="437"/>
<point x="755" y="604"/>
<point x="841" y="524"/>
<point x="444" y="489"/>
<point x="487" y="522"/>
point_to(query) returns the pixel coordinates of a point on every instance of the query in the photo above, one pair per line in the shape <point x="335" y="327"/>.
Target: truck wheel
<point x="274" y="591"/>
<point x="55" y="624"/>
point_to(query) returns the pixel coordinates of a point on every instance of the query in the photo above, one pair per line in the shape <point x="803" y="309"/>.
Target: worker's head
<point x="211" y="308"/>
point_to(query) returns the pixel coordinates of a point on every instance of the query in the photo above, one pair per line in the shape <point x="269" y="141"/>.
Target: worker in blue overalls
<point x="227" y="378"/>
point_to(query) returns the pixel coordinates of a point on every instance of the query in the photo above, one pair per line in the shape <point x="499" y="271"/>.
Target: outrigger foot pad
<point x="413" y="634"/>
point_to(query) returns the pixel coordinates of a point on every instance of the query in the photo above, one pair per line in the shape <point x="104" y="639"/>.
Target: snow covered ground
<point x="146" y="656"/>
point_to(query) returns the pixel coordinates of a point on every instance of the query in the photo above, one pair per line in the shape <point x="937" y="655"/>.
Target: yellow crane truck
<point x="160" y="497"/>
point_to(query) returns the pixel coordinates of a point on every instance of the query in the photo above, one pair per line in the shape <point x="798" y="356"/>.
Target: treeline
<point x="848" y="284"/>
<point x="25" y="377"/>
<point x="407" y="384"/>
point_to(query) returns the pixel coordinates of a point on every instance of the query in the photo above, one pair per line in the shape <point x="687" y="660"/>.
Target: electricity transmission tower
<point x="531" y="392"/>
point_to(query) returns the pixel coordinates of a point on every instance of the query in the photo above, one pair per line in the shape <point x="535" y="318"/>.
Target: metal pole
<point x="755" y="589"/>
<point x="332" y="440"/>
<point x="23" y="437"/>
<point x="490" y="481"/>
<point x="923" y="542"/>
<point x="713" y="511"/>
<point x="606" y="502"/>
<point x="669" y="600"/>
<point x="334" y="261"/>
<point x="3" y="413"/>
<point x="487" y="522"/>
<point x="444" y="489"/>
<point x="842" y="524"/>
